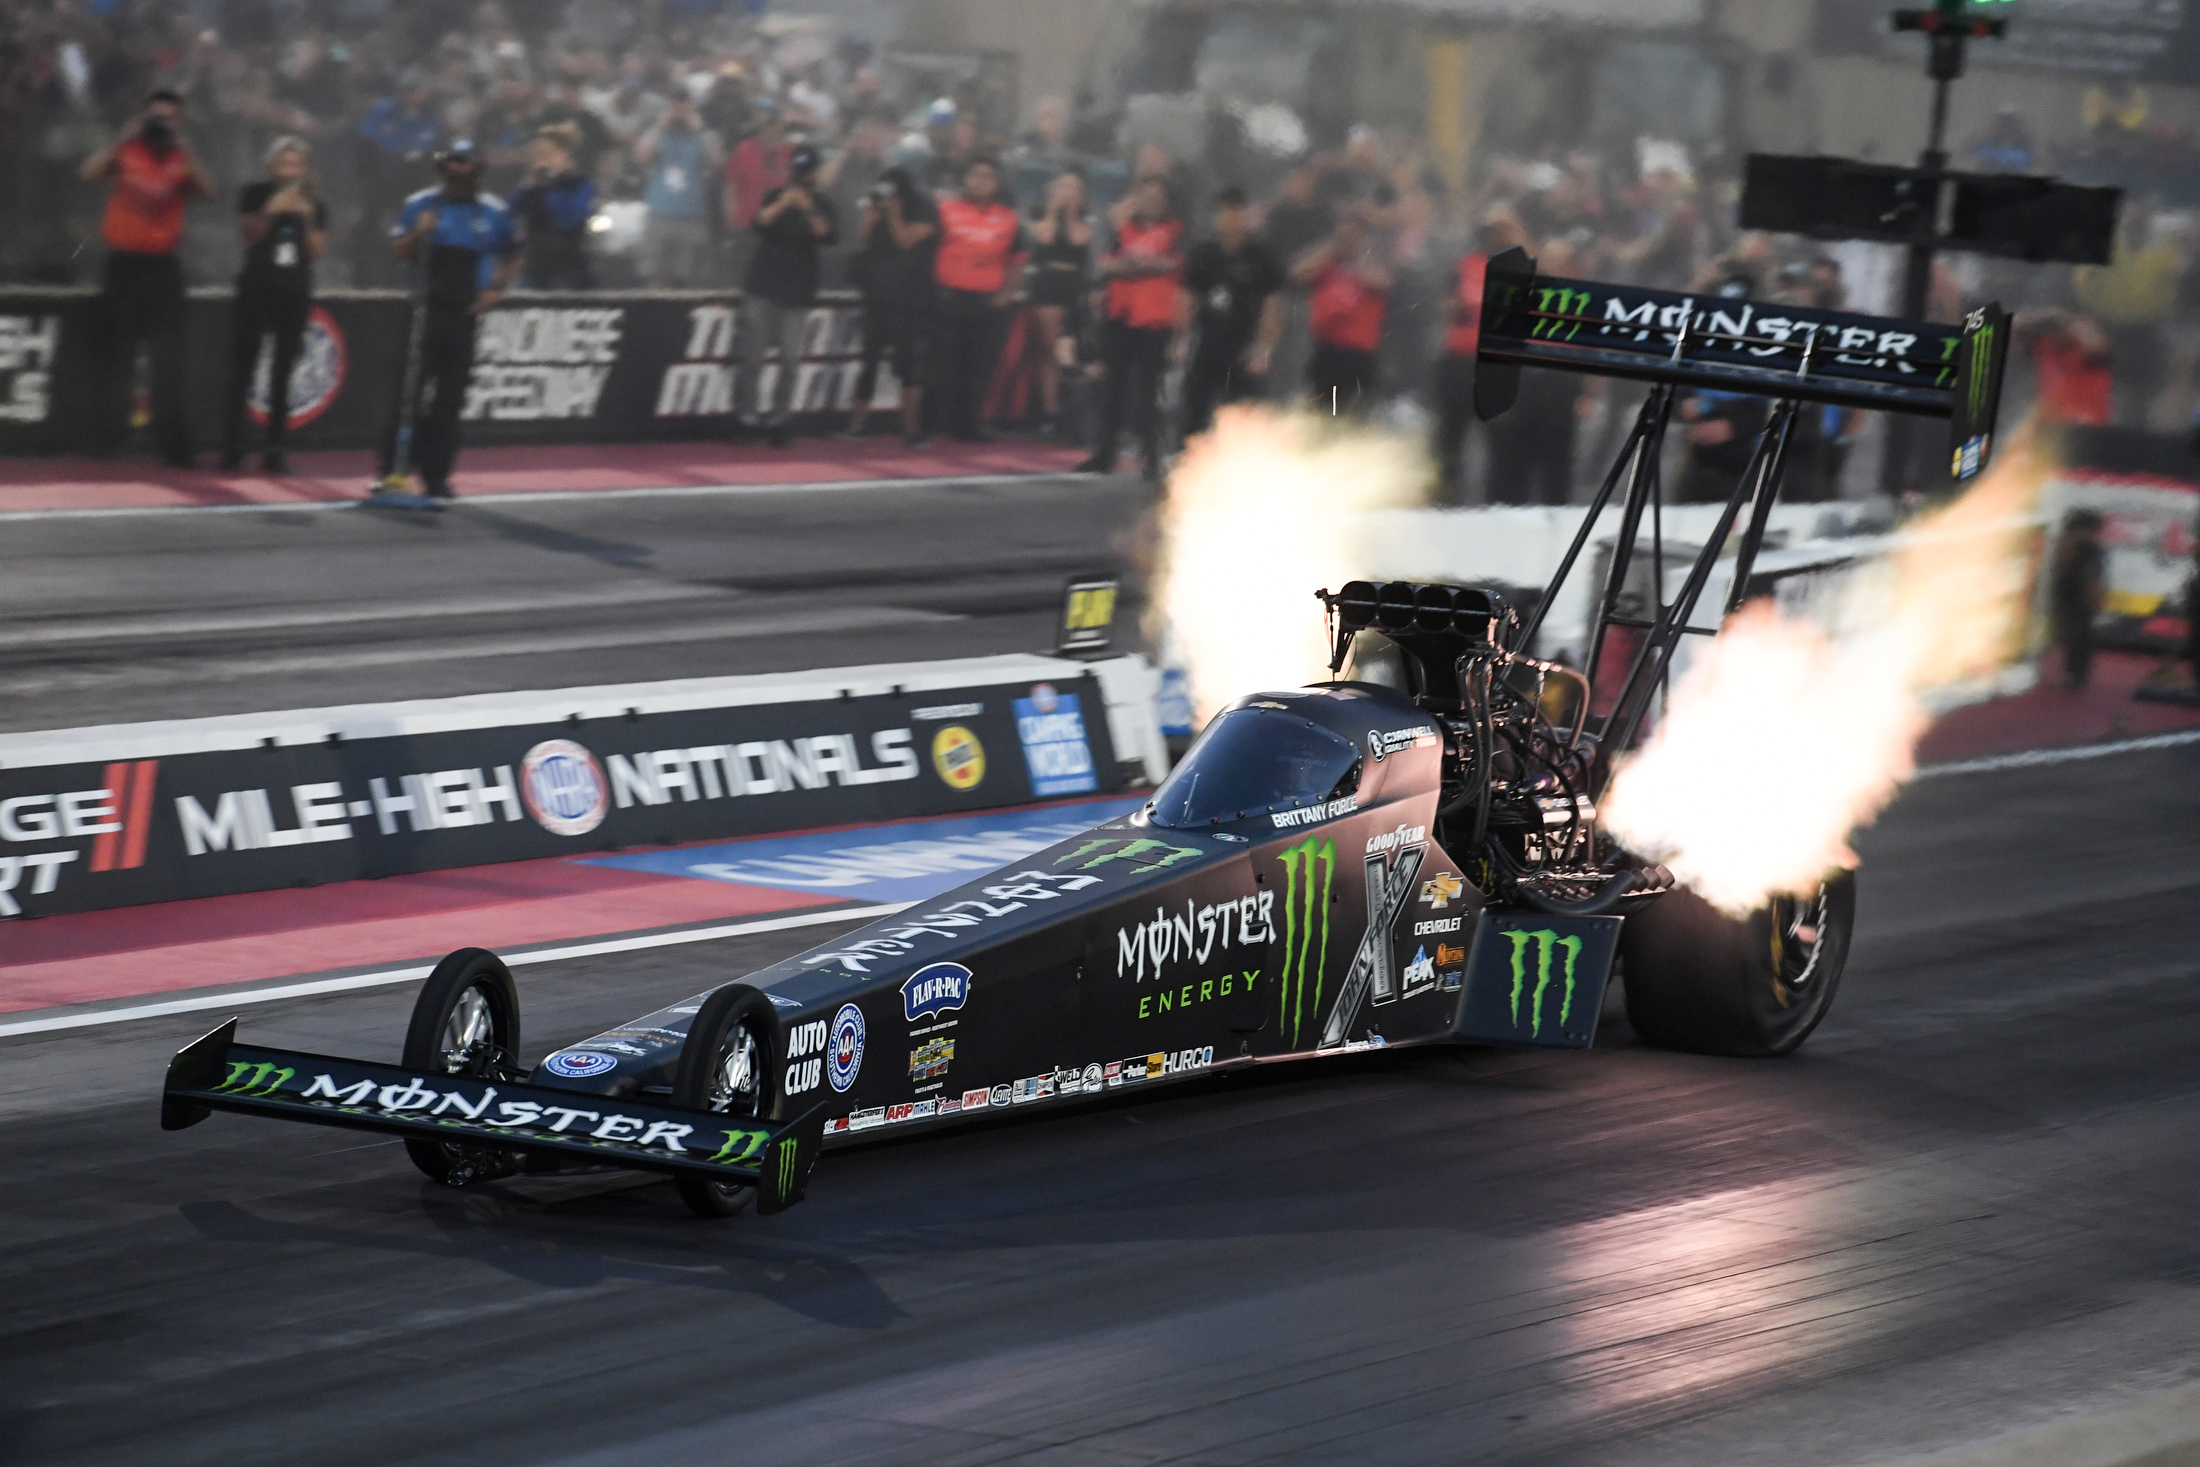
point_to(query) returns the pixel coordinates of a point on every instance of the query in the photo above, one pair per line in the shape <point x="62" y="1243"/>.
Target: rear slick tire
<point x="465" y="1022"/>
<point x="726" y="1066"/>
<point x="1701" y="981"/>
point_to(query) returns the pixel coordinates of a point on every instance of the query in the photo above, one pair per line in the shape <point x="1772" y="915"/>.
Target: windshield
<point x="1255" y="760"/>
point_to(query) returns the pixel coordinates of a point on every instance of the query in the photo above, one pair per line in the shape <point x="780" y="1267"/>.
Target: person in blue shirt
<point x="400" y="132"/>
<point x="464" y="250"/>
<point x="553" y="209"/>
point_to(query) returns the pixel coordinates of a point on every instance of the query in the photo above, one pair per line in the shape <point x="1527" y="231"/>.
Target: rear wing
<point x="1749" y="347"/>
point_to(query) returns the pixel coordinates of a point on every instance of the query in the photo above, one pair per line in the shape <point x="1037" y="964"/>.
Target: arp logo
<point x="1545" y="944"/>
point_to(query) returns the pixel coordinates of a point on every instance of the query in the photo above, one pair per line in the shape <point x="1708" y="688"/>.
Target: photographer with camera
<point x="893" y="269"/>
<point x="154" y="176"/>
<point x="285" y="229"/>
<point x="793" y="223"/>
<point x="552" y="209"/>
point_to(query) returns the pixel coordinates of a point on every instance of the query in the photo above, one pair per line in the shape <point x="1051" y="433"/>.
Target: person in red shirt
<point x="2070" y="357"/>
<point x="1501" y="231"/>
<point x="756" y="166"/>
<point x="1348" y="290"/>
<point x="153" y="176"/>
<point x="1141" y="316"/>
<point x="978" y="268"/>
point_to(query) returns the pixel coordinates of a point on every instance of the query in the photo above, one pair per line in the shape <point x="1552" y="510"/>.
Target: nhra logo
<point x="934" y="990"/>
<point x="315" y="377"/>
<point x="846" y="1057"/>
<point x="564" y="787"/>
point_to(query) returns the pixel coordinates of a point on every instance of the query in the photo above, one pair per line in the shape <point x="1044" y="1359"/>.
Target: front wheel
<point x="465" y="1022"/>
<point x="725" y="1067"/>
<point x="1699" y="980"/>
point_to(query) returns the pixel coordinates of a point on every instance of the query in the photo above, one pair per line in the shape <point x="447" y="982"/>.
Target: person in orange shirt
<point x="1348" y="291"/>
<point x="978" y="268"/>
<point x="1145" y="273"/>
<point x="1501" y="231"/>
<point x="153" y="175"/>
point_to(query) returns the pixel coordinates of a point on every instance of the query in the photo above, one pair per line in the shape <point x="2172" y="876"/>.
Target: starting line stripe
<point x="409" y="975"/>
<point x="2029" y="759"/>
<point x="2033" y="758"/>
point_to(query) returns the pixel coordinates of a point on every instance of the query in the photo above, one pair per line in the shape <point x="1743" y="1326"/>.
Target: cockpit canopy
<point x="1254" y="760"/>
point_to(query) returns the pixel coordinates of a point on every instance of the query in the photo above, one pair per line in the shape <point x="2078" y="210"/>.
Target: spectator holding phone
<point x="552" y="209"/>
<point x="893" y="268"/>
<point x="153" y="175"/>
<point x="285" y="229"/>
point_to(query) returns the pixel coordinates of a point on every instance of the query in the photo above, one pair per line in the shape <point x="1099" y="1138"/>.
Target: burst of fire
<point x="1789" y="733"/>
<point x="1260" y="510"/>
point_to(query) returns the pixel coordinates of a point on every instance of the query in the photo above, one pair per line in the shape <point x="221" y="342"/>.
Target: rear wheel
<point x="1699" y="980"/>
<point x="725" y="1067"/>
<point x="465" y="1022"/>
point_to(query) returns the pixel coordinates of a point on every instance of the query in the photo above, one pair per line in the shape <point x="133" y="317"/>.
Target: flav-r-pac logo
<point x="1546" y="944"/>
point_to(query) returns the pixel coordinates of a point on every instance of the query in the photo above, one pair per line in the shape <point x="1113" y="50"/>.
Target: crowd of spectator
<point x="1007" y="274"/>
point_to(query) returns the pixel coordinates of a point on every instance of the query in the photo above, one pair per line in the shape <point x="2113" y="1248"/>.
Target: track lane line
<point x="636" y="943"/>
<point x="2035" y="758"/>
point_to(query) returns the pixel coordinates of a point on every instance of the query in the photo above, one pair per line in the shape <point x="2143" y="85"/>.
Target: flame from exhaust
<point x="1787" y="734"/>
<point x="1260" y="510"/>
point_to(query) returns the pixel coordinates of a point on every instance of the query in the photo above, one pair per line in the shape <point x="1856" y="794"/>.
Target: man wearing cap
<point x="793" y="223"/>
<point x="464" y="251"/>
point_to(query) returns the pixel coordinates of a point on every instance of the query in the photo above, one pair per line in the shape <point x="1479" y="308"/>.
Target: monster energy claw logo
<point x="1982" y="359"/>
<point x="1545" y="942"/>
<point x="1552" y="304"/>
<point x="1164" y="855"/>
<point x="1305" y="905"/>
<point x="786" y="1168"/>
<point x="246" y="1078"/>
<point x="739" y="1147"/>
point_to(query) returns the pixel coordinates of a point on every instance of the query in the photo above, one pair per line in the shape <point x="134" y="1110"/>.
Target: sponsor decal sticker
<point x="1436" y="925"/>
<point x="977" y="1099"/>
<point x="950" y="1106"/>
<point x="1396" y="840"/>
<point x="1314" y="814"/>
<point x="578" y="1064"/>
<point x="1000" y="1095"/>
<point x="930" y="1060"/>
<point x="1309" y="871"/>
<point x="1384" y="743"/>
<point x="940" y="712"/>
<point x="805" y="1056"/>
<point x="1441" y="890"/>
<point x="1420" y="973"/>
<point x="1051" y="727"/>
<point x="316" y="375"/>
<point x="564" y="787"/>
<point x="1448" y="956"/>
<point x="1092" y="1078"/>
<point x="1194" y="936"/>
<point x="845" y="1060"/>
<point x="1114" y="1073"/>
<point x="958" y="758"/>
<point x="867" y="1120"/>
<point x="936" y="988"/>
<point x="924" y="1110"/>
<point x="953" y="919"/>
<point x="1545" y="943"/>
<point x="895" y="1114"/>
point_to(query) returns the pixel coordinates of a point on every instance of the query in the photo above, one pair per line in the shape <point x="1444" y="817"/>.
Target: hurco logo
<point x="1309" y="870"/>
<point x="1545" y="942"/>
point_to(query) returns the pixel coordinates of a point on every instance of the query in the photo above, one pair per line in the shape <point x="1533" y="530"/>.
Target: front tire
<point x="1702" y="981"/>
<point x="465" y="1022"/>
<point x="726" y="1067"/>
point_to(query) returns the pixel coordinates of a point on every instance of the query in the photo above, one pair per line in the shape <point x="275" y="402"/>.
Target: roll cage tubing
<point x="1792" y="355"/>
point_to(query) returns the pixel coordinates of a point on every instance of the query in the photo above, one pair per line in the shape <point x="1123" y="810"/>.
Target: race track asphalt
<point x="139" y="616"/>
<point x="1967" y="1205"/>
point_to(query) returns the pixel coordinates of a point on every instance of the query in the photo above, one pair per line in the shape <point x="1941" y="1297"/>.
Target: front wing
<point x="217" y="1073"/>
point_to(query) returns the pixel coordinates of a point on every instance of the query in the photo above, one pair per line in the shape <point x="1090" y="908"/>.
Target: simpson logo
<point x="316" y="377"/>
<point x="937" y="988"/>
<point x="977" y="1099"/>
<point x="1441" y="890"/>
<point x="564" y="787"/>
<point x="579" y="1064"/>
<point x="958" y="758"/>
<point x="1382" y="744"/>
<point x="845" y="1060"/>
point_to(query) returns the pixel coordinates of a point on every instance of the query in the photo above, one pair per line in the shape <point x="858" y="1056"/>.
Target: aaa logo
<point x="1546" y="943"/>
<point x="1309" y="870"/>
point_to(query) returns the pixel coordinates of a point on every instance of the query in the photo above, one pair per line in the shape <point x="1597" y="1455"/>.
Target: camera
<point x="157" y="132"/>
<point x="882" y="191"/>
